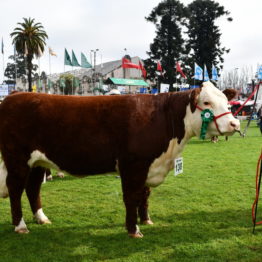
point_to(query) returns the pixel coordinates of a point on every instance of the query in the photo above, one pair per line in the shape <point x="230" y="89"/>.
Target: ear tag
<point x="207" y="117"/>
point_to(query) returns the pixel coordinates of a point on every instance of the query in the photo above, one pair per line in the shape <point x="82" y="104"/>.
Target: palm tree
<point x="29" y="39"/>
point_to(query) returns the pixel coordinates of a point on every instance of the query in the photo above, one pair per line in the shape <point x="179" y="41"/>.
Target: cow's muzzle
<point x="234" y="124"/>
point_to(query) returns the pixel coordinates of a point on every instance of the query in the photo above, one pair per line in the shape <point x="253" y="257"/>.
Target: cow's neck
<point x="180" y="131"/>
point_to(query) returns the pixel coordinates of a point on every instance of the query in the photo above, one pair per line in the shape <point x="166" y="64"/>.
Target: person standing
<point x="260" y="118"/>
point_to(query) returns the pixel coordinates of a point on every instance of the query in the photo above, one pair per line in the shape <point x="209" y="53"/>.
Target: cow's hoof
<point x="49" y="178"/>
<point x="22" y="231"/>
<point x="43" y="222"/>
<point x="136" y="235"/>
<point x="147" y="222"/>
<point x="60" y="174"/>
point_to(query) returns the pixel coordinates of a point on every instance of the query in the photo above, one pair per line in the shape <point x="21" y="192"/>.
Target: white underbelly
<point x="163" y="164"/>
<point x="37" y="158"/>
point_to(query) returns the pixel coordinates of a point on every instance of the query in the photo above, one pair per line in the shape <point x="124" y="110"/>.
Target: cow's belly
<point x="38" y="158"/>
<point x="162" y="165"/>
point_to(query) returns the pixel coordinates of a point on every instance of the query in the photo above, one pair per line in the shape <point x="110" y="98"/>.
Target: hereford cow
<point x="138" y="135"/>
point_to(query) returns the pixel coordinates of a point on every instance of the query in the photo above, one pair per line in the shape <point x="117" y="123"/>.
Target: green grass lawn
<point x="203" y="214"/>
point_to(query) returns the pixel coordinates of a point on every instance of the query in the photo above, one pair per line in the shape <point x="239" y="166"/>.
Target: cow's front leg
<point x="143" y="208"/>
<point x="16" y="184"/>
<point x="33" y="193"/>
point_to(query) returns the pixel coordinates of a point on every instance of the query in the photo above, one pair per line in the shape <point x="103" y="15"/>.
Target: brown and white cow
<point x="139" y="135"/>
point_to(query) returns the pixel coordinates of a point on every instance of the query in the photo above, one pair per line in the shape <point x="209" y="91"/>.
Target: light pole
<point x="235" y="78"/>
<point x="94" y="67"/>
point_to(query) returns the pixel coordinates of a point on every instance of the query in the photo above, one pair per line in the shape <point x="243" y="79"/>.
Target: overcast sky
<point x="113" y="25"/>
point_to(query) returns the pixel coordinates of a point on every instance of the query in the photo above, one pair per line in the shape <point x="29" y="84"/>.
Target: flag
<point x="142" y="69"/>
<point x="67" y="59"/>
<point x="159" y="67"/>
<point x="62" y="82"/>
<point x="206" y="76"/>
<point x="198" y="74"/>
<point x="179" y="70"/>
<point x="74" y="60"/>
<point x="214" y="73"/>
<point x="50" y="84"/>
<point x="51" y="52"/>
<point x="39" y="84"/>
<point x="76" y="82"/>
<point x="39" y="52"/>
<point x="2" y="47"/>
<point x="84" y="62"/>
<point x="126" y="63"/>
<point x="259" y="73"/>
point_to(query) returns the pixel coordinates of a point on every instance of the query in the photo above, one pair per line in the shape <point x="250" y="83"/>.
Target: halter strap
<point x="216" y="117"/>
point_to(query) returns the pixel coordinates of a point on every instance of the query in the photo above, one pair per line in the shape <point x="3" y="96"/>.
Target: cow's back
<point x="82" y="134"/>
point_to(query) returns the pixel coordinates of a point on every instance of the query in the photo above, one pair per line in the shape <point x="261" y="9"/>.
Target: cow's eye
<point x="206" y="103"/>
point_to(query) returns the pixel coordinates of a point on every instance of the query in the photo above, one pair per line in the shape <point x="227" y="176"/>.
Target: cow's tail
<point x="3" y="175"/>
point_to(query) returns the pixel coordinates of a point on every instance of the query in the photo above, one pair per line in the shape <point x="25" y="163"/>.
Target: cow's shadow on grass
<point x="100" y="242"/>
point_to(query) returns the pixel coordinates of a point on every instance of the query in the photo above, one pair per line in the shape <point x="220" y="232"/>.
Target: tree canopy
<point x="17" y="68"/>
<point x="185" y="34"/>
<point x="168" y="45"/>
<point x="203" y="44"/>
<point x="29" y="39"/>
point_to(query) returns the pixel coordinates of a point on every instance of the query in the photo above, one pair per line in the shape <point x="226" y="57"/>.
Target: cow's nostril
<point x="233" y="124"/>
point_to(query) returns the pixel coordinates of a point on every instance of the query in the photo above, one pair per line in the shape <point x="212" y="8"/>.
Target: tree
<point x="203" y="44"/>
<point x="29" y="39"/>
<point x="68" y="83"/>
<point x="168" y="45"/>
<point x="17" y="68"/>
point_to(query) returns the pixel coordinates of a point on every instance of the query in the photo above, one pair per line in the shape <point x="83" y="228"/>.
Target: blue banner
<point x="259" y="73"/>
<point x="198" y="72"/>
<point x="214" y="74"/>
<point x="206" y="76"/>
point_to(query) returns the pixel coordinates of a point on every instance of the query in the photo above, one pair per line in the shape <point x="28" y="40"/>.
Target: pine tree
<point x="203" y="45"/>
<point x="168" y="45"/>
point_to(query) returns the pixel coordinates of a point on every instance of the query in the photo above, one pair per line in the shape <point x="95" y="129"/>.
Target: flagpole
<point x="39" y="72"/>
<point x="3" y="67"/>
<point x="194" y="74"/>
<point x="49" y="63"/>
<point x="15" y="67"/>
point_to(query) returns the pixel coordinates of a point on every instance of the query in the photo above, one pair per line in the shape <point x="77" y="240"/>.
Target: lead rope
<point x="258" y="182"/>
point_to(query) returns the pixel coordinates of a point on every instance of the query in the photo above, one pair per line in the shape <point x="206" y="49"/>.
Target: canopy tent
<point x="240" y="102"/>
<point x="126" y="82"/>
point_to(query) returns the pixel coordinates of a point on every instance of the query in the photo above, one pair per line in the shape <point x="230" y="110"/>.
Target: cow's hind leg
<point x="143" y="208"/>
<point x="16" y="180"/>
<point x="33" y="187"/>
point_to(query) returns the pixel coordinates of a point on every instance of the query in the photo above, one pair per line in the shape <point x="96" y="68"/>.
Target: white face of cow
<point x="212" y="98"/>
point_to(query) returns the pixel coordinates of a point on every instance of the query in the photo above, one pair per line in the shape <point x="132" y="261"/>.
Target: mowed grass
<point x="202" y="215"/>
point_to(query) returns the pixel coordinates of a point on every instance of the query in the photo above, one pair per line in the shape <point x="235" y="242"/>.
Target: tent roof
<point x="127" y="82"/>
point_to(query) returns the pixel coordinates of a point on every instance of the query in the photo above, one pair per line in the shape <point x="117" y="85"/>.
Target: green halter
<point x="206" y="116"/>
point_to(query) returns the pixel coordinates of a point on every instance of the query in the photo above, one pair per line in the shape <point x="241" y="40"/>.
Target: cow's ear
<point x="230" y="93"/>
<point x="194" y="98"/>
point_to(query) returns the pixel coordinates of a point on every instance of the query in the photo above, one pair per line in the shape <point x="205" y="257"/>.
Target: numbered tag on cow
<point x="178" y="166"/>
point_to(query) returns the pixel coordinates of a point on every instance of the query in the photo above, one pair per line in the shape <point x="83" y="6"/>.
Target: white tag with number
<point x="178" y="166"/>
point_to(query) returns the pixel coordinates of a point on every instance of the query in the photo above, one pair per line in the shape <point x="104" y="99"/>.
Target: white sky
<point x="112" y="25"/>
